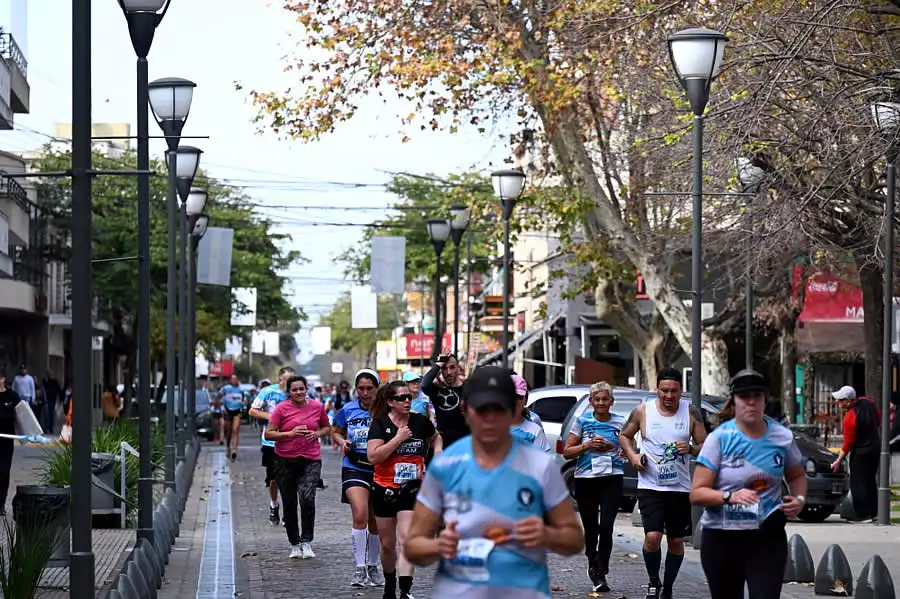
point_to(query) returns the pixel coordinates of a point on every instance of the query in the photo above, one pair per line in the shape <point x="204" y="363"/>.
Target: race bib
<point x="405" y="472"/>
<point x="601" y="465"/>
<point x="741" y="516"/>
<point x="666" y="475"/>
<point x="471" y="561"/>
<point x="360" y="439"/>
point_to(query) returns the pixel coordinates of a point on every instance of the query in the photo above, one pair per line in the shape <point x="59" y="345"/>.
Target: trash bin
<point x="35" y="506"/>
<point x="103" y="467"/>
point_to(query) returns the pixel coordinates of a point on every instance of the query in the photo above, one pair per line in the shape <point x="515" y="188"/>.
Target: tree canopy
<point x="361" y="342"/>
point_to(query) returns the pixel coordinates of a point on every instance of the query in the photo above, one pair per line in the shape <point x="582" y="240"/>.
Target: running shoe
<point x="666" y="593"/>
<point x="406" y="596"/>
<point x="233" y="456"/>
<point x="593" y="575"/>
<point x="600" y="586"/>
<point x="653" y="591"/>
<point x="274" y="517"/>
<point x="296" y="552"/>
<point x="360" y="578"/>
<point x="307" y="551"/>
<point x="375" y="577"/>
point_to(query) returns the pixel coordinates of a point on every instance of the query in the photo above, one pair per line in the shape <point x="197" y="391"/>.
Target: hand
<point x="791" y="506"/>
<point x="682" y="447"/>
<point x="744" y="497"/>
<point x="636" y="463"/>
<point x="600" y="444"/>
<point x="836" y="466"/>
<point x="404" y="433"/>
<point x="298" y="431"/>
<point x="529" y="532"/>
<point x="311" y="435"/>
<point x="345" y="446"/>
<point x="443" y="357"/>
<point x="448" y="541"/>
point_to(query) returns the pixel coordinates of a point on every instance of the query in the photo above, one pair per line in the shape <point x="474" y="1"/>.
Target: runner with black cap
<point x="666" y="425"/>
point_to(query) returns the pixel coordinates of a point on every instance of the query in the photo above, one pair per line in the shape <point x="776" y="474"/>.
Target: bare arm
<point x="796" y="480"/>
<point x="702" y="491"/>
<point x="563" y="535"/>
<point x="378" y="451"/>
<point x="437" y="443"/>
<point x="698" y="430"/>
<point x="338" y="434"/>
<point x="421" y="546"/>
<point x="631" y="428"/>
<point x="260" y="414"/>
<point x="574" y="447"/>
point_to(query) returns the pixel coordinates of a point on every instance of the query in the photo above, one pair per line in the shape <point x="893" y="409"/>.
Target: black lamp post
<point x="886" y="115"/>
<point x="438" y="232"/>
<point x="459" y="222"/>
<point x="508" y="186"/>
<point x="198" y="230"/>
<point x="750" y="177"/>
<point x="143" y="17"/>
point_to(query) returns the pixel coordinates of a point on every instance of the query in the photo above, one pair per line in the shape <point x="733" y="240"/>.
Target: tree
<point x="257" y="256"/>
<point x="361" y="342"/>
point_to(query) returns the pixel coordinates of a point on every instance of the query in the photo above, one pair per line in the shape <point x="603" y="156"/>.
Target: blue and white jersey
<point x="535" y="418"/>
<point x="741" y="462"/>
<point x="232" y="398"/>
<point x="266" y="400"/>
<point x="355" y="421"/>
<point x="420" y="404"/>
<point x="527" y="483"/>
<point x="593" y="464"/>
<point x="530" y="433"/>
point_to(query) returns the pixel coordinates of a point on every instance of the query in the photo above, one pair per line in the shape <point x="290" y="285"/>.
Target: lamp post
<point x="182" y="163"/>
<point x="886" y="115"/>
<point x="750" y="176"/>
<point x="421" y="281"/>
<point x="143" y="17"/>
<point x="198" y="230"/>
<point x="459" y="222"/>
<point x="697" y="58"/>
<point x="508" y="186"/>
<point x="438" y="232"/>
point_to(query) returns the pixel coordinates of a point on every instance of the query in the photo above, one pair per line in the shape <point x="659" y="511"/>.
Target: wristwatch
<point x="726" y="497"/>
<point x="801" y="499"/>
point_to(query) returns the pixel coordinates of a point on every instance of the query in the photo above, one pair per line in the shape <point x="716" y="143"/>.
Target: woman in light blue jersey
<point x="738" y="480"/>
<point x="504" y="503"/>
<point x="594" y="443"/>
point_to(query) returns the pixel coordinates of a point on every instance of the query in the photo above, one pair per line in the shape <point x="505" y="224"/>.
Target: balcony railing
<point x="11" y="189"/>
<point x="10" y="50"/>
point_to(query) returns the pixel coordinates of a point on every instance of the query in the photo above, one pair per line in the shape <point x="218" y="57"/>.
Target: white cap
<point x="845" y="392"/>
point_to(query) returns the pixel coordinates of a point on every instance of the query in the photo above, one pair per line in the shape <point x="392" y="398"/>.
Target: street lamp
<point x="886" y="115"/>
<point x="198" y="230"/>
<point x="438" y="232"/>
<point x="459" y="222"/>
<point x="750" y="177"/>
<point x="143" y="17"/>
<point x="508" y="186"/>
<point x="195" y="224"/>
<point x="170" y="99"/>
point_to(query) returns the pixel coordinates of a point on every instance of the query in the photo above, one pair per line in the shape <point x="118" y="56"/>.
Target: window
<point x="553" y="409"/>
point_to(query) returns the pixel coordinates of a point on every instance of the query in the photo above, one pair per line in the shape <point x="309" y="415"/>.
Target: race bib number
<point x="666" y="475"/>
<point x="471" y="561"/>
<point x="360" y="439"/>
<point x="742" y="516"/>
<point x="405" y="472"/>
<point x="601" y="465"/>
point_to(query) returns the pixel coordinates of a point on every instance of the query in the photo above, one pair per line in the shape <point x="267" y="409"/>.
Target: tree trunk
<point x="788" y="343"/>
<point x="872" y="285"/>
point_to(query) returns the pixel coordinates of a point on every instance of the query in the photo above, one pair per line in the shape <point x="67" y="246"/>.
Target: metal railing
<point x="10" y="50"/>
<point x="11" y="188"/>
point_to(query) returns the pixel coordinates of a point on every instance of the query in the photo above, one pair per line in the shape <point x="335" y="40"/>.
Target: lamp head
<point x="187" y="160"/>
<point x="697" y="56"/>
<point x="143" y="17"/>
<point x="196" y="202"/>
<point x="170" y="101"/>
<point x="438" y="232"/>
<point x="200" y="226"/>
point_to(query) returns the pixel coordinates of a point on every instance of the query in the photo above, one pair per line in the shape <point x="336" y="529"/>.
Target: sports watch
<point x="726" y="497"/>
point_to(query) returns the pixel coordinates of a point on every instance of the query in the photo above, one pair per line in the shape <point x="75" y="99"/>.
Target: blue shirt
<point x="355" y="422"/>
<point x="266" y="400"/>
<point x="420" y="404"/>
<point x="527" y="483"/>
<point x="232" y="397"/>
<point x="593" y="464"/>
<point x="741" y="462"/>
<point x="530" y="433"/>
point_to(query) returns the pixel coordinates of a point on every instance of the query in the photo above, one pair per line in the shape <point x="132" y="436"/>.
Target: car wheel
<point x="816" y="513"/>
<point x="569" y="477"/>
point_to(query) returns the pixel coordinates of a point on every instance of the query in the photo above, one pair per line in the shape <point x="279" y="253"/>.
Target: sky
<point x="216" y="43"/>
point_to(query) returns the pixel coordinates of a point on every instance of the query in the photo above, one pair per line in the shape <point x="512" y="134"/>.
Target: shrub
<point x="23" y="558"/>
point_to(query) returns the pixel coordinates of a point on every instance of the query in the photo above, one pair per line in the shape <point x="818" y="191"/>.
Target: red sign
<point x="641" y="291"/>
<point x="221" y="368"/>
<point x="829" y="297"/>
<point x="422" y="345"/>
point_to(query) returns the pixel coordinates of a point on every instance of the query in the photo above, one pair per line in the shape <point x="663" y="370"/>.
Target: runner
<point x="350" y="433"/>
<point x="525" y="426"/>
<point x="296" y="427"/>
<point x="443" y="385"/>
<point x="341" y="397"/>
<point x="262" y="408"/>
<point x="232" y="398"/>
<point x="738" y="480"/>
<point x="666" y="424"/>
<point x="505" y="505"/>
<point x="421" y="404"/>
<point x="398" y="443"/>
<point x="594" y="442"/>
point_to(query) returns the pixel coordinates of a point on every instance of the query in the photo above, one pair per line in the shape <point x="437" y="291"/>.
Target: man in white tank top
<point x="667" y="425"/>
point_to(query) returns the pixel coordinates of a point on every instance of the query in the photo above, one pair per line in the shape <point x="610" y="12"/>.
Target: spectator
<point x="23" y="385"/>
<point x="862" y="442"/>
<point x="9" y="399"/>
<point x="52" y="391"/>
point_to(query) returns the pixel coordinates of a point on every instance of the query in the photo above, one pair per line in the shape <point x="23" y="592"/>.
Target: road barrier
<point x="833" y="576"/>
<point x="799" y="566"/>
<point x="875" y="580"/>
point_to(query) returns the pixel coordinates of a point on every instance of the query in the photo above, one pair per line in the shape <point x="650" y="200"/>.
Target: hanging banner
<point x="272" y="341"/>
<point x="320" y="339"/>
<point x="388" y="265"/>
<point x="243" y="307"/>
<point x="214" y="257"/>
<point x="385" y="355"/>
<point x="363" y="308"/>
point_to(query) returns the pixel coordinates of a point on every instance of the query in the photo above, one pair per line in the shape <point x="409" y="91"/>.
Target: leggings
<point x="603" y="494"/>
<point x="731" y="558"/>
<point x="863" y="483"/>
<point x="298" y="479"/>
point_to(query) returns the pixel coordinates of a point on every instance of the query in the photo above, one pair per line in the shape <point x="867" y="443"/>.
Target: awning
<point x="522" y="343"/>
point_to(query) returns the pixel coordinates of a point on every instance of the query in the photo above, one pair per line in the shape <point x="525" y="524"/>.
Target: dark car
<point x="203" y="413"/>
<point x="825" y="491"/>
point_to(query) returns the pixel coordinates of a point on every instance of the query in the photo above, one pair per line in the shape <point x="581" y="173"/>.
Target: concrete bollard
<point x="160" y="544"/>
<point x="147" y="563"/>
<point x="140" y="583"/>
<point x="833" y="576"/>
<point x="875" y="580"/>
<point x="799" y="566"/>
<point x="153" y="555"/>
<point x="126" y="588"/>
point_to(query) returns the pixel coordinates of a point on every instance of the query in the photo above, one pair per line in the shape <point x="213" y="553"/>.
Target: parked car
<point x="203" y="412"/>
<point x="825" y="490"/>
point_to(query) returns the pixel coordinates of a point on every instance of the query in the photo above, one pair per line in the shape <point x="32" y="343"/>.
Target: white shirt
<point x="666" y="469"/>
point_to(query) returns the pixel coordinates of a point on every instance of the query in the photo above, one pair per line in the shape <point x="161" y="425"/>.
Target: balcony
<point x="21" y="291"/>
<point x="20" y="91"/>
<point x="17" y="208"/>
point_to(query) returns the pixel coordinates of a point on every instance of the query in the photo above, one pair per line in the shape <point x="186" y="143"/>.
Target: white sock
<point x="358" y="541"/>
<point x="273" y="504"/>
<point x="374" y="547"/>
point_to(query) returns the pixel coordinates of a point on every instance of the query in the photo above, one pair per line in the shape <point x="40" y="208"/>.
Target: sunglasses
<point x="406" y="397"/>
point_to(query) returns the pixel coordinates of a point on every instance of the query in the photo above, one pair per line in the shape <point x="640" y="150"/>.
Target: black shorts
<point x="268" y="462"/>
<point x="350" y="477"/>
<point x="668" y="512"/>
<point x="388" y="501"/>
<point x="232" y="414"/>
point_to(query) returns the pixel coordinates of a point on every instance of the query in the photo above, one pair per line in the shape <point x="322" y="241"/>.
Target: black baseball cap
<point x="490" y="386"/>
<point x="748" y="381"/>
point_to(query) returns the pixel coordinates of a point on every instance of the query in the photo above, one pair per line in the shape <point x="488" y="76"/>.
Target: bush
<point x="24" y="558"/>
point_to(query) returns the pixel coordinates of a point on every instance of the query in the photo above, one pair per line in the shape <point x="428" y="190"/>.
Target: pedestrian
<point x="738" y="480"/>
<point x="232" y="398"/>
<point x="9" y="399"/>
<point x="862" y="442"/>
<point x="666" y="425"/>
<point x="266" y="400"/>
<point x="525" y="428"/>
<point x="594" y="444"/>
<point x="504" y="503"/>
<point x="443" y="384"/>
<point x="421" y="403"/>
<point x="23" y="385"/>
<point x="341" y="397"/>
<point x="52" y="391"/>
<point x="398" y="442"/>
<point x="351" y="434"/>
<point x="296" y="427"/>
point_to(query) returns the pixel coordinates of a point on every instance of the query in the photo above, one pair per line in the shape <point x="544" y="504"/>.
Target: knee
<point x="675" y="545"/>
<point x="653" y="541"/>
<point x="388" y="551"/>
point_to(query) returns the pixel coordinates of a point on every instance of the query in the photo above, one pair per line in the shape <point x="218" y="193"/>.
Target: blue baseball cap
<point x="411" y="376"/>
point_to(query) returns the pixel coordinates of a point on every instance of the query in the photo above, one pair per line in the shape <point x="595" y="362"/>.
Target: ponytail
<point x="727" y="411"/>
